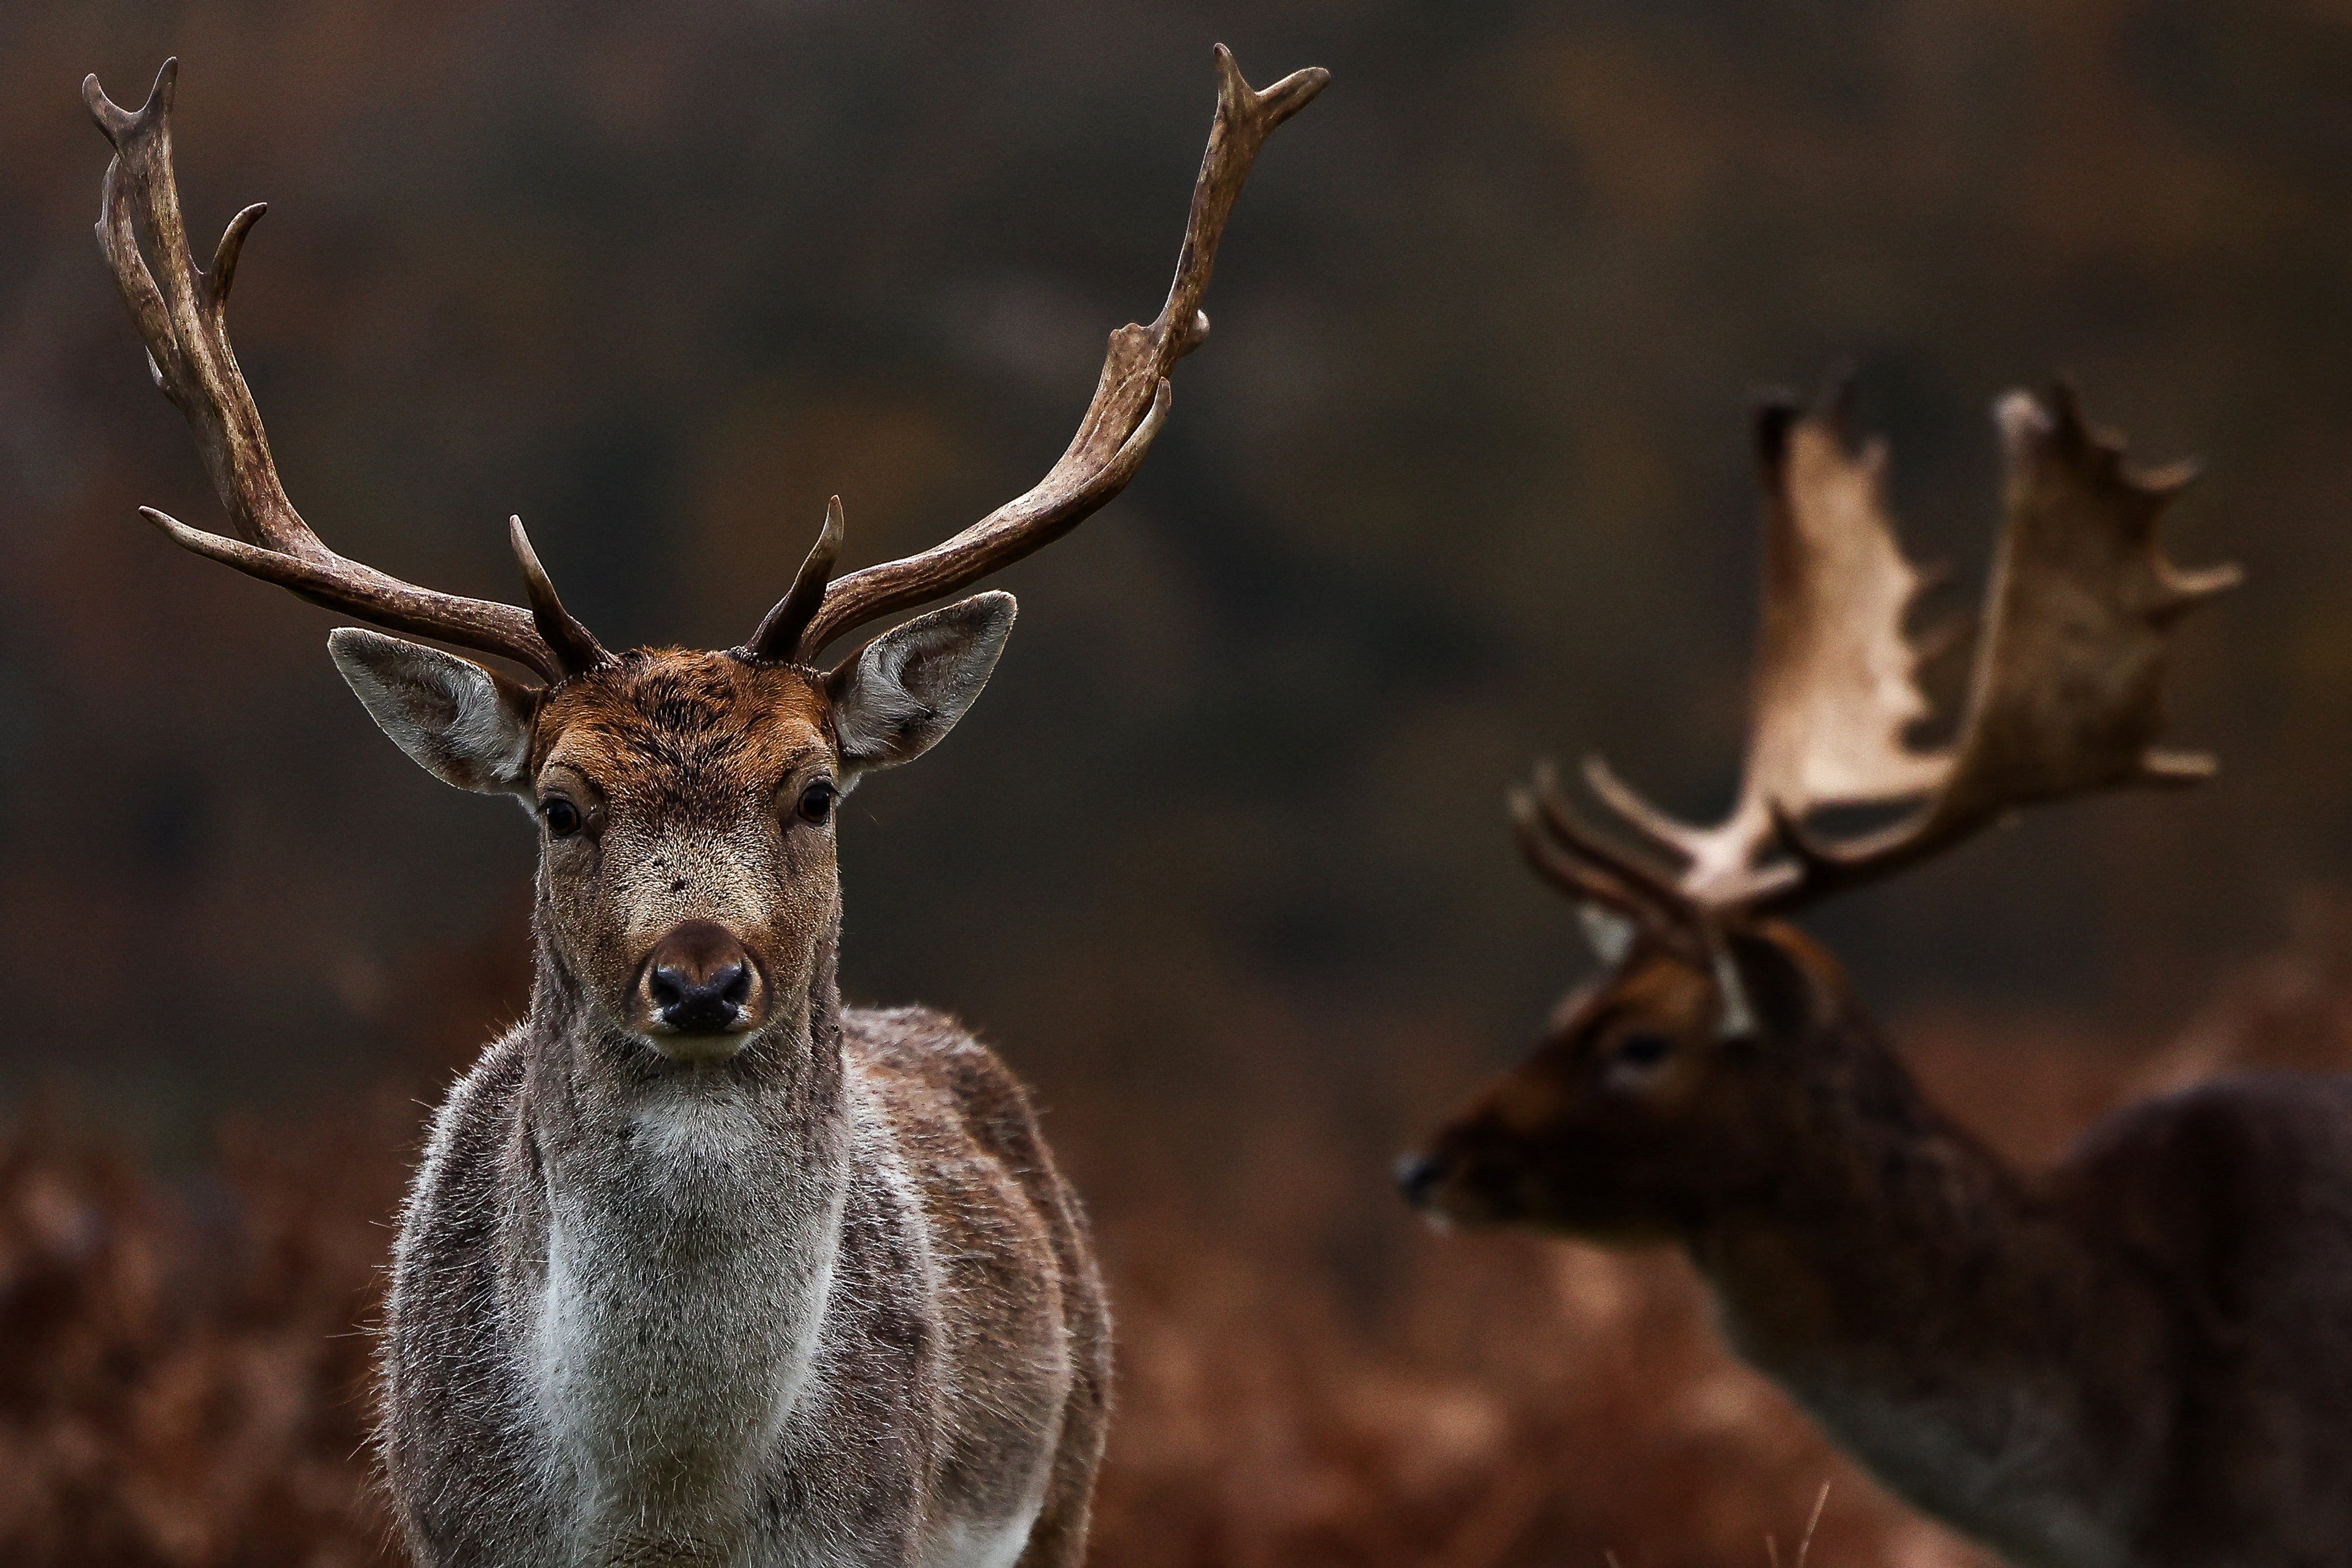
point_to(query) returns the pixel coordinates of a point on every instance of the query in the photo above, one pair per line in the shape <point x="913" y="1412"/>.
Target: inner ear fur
<point x="465" y="725"/>
<point x="896" y="698"/>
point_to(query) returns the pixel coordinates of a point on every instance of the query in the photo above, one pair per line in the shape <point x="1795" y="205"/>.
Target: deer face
<point x="1641" y="1112"/>
<point x="687" y="871"/>
<point x="684" y="802"/>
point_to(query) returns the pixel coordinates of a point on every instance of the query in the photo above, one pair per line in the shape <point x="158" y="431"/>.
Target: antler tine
<point x="574" y="646"/>
<point x="1572" y="833"/>
<point x="2067" y="694"/>
<point x="1131" y="399"/>
<point x="1585" y="865"/>
<point x="182" y="322"/>
<point x="1689" y="846"/>
<point x="779" y="635"/>
<point x="1577" y="875"/>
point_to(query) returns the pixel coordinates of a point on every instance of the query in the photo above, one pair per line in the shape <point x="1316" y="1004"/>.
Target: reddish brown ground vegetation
<point x="183" y="1366"/>
<point x="184" y="1385"/>
<point x="181" y="1377"/>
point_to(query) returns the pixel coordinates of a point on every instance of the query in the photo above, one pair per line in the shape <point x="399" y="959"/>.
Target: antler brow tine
<point x="778" y="635"/>
<point x="182" y="322"/>
<point x="1130" y="402"/>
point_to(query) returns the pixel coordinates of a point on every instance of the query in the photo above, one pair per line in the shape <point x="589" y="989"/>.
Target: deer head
<point x="687" y="883"/>
<point x="1718" y="1039"/>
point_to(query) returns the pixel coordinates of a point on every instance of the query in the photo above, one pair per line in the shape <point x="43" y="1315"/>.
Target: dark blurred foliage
<point x="1460" y="479"/>
<point x="183" y="1388"/>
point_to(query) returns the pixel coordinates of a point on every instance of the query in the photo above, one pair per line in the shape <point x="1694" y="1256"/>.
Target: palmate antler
<point x="184" y="323"/>
<point x="1129" y="404"/>
<point x="2066" y="695"/>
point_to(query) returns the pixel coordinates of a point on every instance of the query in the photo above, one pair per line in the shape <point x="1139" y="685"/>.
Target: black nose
<point x="699" y="1004"/>
<point x="1417" y="1176"/>
<point x="698" y="980"/>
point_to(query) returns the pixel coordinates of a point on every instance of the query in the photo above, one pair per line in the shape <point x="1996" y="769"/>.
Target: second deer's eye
<point x="562" y="817"/>
<point x="816" y="801"/>
<point x="1644" y="1050"/>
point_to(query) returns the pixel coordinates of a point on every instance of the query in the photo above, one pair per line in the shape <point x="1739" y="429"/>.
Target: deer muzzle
<point x="1452" y="1186"/>
<point x="699" y="995"/>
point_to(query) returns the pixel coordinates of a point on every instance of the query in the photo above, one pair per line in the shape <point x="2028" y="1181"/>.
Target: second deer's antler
<point x="2066" y="697"/>
<point x="1129" y="404"/>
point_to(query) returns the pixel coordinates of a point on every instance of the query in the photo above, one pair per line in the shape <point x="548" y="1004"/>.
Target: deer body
<point x="2136" y="1359"/>
<point x="769" y="1284"/>
<point x="622" y="1330"/>
<point x="701" y="1268"/>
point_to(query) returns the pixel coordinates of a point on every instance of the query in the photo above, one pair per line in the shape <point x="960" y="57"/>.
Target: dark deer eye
<point x="1644" y="1050"/>
<point x="563" y="818"/>
<point x="816" y="801"/>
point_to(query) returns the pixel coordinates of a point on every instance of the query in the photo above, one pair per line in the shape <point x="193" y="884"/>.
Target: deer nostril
<point x="1417" y="1176"/>
<point x="666" y="987"/>
<point x="707" y="1004"/>
<point x="699" y="980"/>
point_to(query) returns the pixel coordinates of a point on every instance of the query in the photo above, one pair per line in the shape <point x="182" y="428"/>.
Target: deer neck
<point x="1929" y="1305"/>
<point x="615" y="1123"/>
<point x="1884" y="1221"/>
<point x="678" y="1253"/>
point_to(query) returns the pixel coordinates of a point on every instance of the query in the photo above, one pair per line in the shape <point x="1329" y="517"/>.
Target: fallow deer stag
<point x="701" y="1267"/>
<point x="2141" y="1358"/>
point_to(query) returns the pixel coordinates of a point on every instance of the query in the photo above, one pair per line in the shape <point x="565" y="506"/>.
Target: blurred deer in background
<point x="2143" y="1356"/>
<point x="701" y="1267"/>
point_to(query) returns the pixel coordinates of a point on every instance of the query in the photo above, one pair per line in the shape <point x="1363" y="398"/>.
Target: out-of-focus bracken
<point x="184" y="1383"/>
<point x="184" y="1388"/>
<point x="183" y="1379"/>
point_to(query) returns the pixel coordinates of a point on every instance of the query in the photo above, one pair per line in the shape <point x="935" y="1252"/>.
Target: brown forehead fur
<point x="679" y="723"/>
<point x="1664" y="989"/>
<point x="1664" y="992"/>
<point x="1816" y="963"/>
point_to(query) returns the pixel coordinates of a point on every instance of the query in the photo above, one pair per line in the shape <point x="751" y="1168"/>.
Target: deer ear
<point x="1612" y="934"/>
<point x="894" y="698"/>
<point x="461" y="723"/>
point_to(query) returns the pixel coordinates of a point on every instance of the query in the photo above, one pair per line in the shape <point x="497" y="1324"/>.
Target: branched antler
<point x="184" y="323"/>
<point x="2066" y="695"/>
<point x="1129" y="404"/>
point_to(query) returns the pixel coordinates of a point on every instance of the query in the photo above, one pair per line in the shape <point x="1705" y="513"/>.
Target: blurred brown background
<point x="1460" y="479"/>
